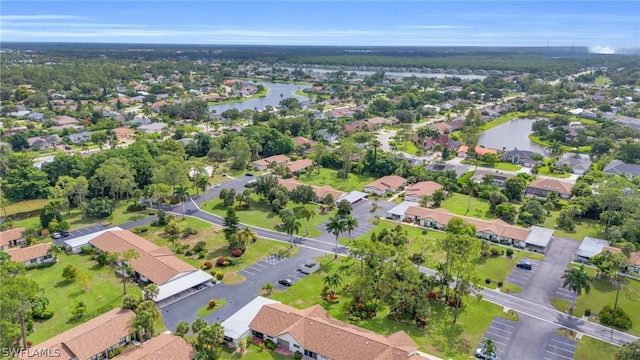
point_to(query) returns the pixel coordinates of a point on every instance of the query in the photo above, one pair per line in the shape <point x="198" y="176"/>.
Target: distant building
<point x="541" y="187"/>
<point x="385" y="185"/>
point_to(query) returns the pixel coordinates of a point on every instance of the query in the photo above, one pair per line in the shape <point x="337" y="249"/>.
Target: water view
<point x="511" y="135"/>
<point x="392" y="73"/>
<point x="276" y="93"/>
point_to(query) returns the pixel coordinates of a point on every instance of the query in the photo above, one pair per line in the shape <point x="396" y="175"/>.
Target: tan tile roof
<point x="65" y="120"/>
<point x="423" y="188"/>
<point x="94" y="336"/>
<point x="385" y="182"/>
<point x="634" y="259"/>
<point x="320" y="191"/>
<point x="28" y="253"/>
<point x="155" y="263"/>
<point x="299" y="165"/>
<point x="11" y="235"/>
<point x="561" y="187"/>
<point x="300" y="141"/>
<point x="162" y="347"/>
<point x="316" y="331"/>
<point x="479" y="150"/>
<point x="279" y="159"/>
<point x="496" y="226"/>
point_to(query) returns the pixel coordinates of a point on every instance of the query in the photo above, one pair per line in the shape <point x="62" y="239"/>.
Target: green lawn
<point x="440" y="337"/>
<point x="592" y="349"/>
<point x="498" y="268"/>
<point x="217" y="246"/>
<point x="546" y="171"/>
<point x="104" y="294"/>
<point x="501" y="120"/>
<point x="261" y="215"/>
<point x="603" y="80"/>
<point x="23" y="206"/>
<point x="259" y="94"/>
<point x="408" y="146"/>
<point x="253" y="353"/>
<point x="330" y="177"/>
<point x="205" y="310"/>
<point x="457" y="204"/>
<point x="568" y="149"/>
<point x="584" y="227"/>
<point x="500" y="165"/>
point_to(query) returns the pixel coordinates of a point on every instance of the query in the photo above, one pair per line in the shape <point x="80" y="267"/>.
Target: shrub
<point x="509" y="252"/>
<point x="220" y="276"/>
<point x="140" y="229"/>
<point x="44" y="232"/>
<point x="495" y="252"/>
<point x="136" y="207"/>
<point x="212" y="303"/>
<point x="213" y="273"/>
<point x="190" y="231"/>
<point x="500" y="284"/>
<point x="261" y="346"/>
<point x="221" y="260"/>
<point x="115" y="352"/>
<point x="237" y="252"/>
<point x="207" y="265"/>
<point x="41" y="265"/>
<point x="487" y="281"/>
<point x="270" y="344"/>
<point x="43" y="315"/>
<point x="226" y="263"/>
<point x="587" y="312"/>
<point x="188" y="253"/>
<point x="619" y="318"/>
<point x="432" y="295"/>
<point x="297" y="355"/>
<point x="202" y="254"/>
<point x="172" y="228"/>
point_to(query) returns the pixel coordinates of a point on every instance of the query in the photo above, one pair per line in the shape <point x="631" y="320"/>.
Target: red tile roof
<point x="161" y="347"/>
<point x="22" y="254"/>
<point x="423" y="188"/>
<point x="386" y="182"/>
<point x="10" y="235"/>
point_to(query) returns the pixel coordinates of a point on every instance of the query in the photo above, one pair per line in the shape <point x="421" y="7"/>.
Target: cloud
<point x="37" y="17"/>
<point x="602" y="50"/>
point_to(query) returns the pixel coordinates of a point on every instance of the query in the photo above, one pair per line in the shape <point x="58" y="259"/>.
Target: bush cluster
<point x="237" y="252"/>
<point x="207" y="265"/>
<point x="618" y="318"/>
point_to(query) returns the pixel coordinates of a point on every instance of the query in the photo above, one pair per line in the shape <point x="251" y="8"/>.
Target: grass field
<point x="500" y="165"/>
<point x="603" y="80"/>
<point x="253" y="353"/>
<point x="568" y="149"/>
<point x="498" y="268"/>
<point x="23" y="206"/>
<point x="591" y="349"/>
<point x="330" y="177"/>
<point x="408" y="146"/>
<point x="546" y="171"/>
<point x="259" y="94"/>
<point x="457" y="204"/>
<point x="440" y="337"/>
<point x="205" y="310"/>
<point x="217" y="246"/>
<point x="261" y="215"/>
<point x="584" y="227"/>
<point x="104" y="294"/>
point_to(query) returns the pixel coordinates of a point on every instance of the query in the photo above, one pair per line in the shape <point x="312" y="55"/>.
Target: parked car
<point x="249" y="174"/>
<point x="285" y="282"/>
<point x="64" y="233"/>
<point x="67" y="147"/>
<point x="481" y="355"/>
<point x="56" y="235"/>
<point x="524" y="265"/>
<point x="216" y="185"/>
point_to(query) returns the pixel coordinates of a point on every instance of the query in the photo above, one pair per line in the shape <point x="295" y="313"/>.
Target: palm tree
<point x="182" y="328"/>
<point x="146" y="315"/>
<point x="375" y="145"/>
<point x="332" y="281"/>
<point x="291" y="225"/>
<point x="489" y="348"/>
<point x="350" y="224"/>
<point x="181" y="193"/>
<point x="124" y="265"/>
<point x="198" y="324"/>
<point x="576" y="280"/>
<point x="202" y="182"/>
<point x="151" y="291"/>
<point x="336" y="226"/>
<point x="555" y="148"/>
<point x="246" y="235"/>
<point x="307" y="214"/>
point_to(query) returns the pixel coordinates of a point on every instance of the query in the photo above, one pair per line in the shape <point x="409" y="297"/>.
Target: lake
<point x="511" y="135"/>
<point x="392" y="73"/>
<point x="273" y="97"/>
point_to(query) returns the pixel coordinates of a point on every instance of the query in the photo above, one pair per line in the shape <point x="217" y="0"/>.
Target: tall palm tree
<point x="555" y="148"/>
<point x="375" y="144"/>
<point x="350" y="224"/>
<point x="124" y="265"/>
<point x="202" y="182"/>
<point x="576" y="280"/>
<point x="151" y="291"/>
<point x="291" y="225"/>
<point x="246" y="235"/>
<point x="181" y="193"/>
<point x="489" y="348"/>
<point x="336" y="226"/>
<point x="307" y="214"/>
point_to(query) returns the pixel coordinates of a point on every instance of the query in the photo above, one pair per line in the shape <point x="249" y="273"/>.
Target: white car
<point x="481" y="355"/>
<point x="216" y="185"/>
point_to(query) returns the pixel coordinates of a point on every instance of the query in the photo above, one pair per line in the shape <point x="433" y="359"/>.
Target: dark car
<point x="64" y="233"/>
<point x="524" y="265"/>
<point x="285" y="282"/>
<point x="67" y="147"/>
<point x="249" y="174"/>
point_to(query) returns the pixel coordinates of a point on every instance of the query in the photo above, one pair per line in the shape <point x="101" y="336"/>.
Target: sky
<point x="604" y="26"/>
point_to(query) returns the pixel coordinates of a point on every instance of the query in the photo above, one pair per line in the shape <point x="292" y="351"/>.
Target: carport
<point x="237" y="325"/>
<point x="398" y="211"/>
<point x="353" y="197"/>
<point x="75" y="245"/>
<point x="539" y="239"/>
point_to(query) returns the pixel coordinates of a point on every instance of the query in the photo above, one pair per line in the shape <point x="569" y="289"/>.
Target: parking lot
<point x="501" y="333"/>
<point x="521" y="277"/>
<point x="565" y="294"/>
<point x="265" y="264"/>
<point x="559" y="348"/>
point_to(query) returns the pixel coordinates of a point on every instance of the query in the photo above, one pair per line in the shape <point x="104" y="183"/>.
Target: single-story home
<point x="79" y="138"/>
<point x="153" y="127"/>
<point x="267" y="162"/>
<point x="463" y="151"/>
<point x="93" y="339"/>
<point x="124" y="134"/>
<point x="459" y="169"/>
<point x="497" y="177"/>
<point x="579" y="163"/>
<point x="398" y="212"/>
<point x="32" y="255"/>
<point x="353" y="197"/>
<point x="619" y="167"/>
<point x="320" y="191"/>
<point x="299" y="165"/>
<point x="314" y="334"/>
<point x="66" y="120"/>
<point x="416" y="191"/>
<point x="300" y="141"/>
<point x="590" y="247"/>
<point x="385" y="185"/>
<point x="236" y="326"/>
<point x="74" y="246"/>
<point x="157" y="265"/>
<point x="521" y="157"/>
<point x="540" y="187"/>
<point x="12" y="237"/>
<point x="162" y="347"/>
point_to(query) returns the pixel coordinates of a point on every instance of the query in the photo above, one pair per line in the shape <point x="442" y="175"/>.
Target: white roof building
<point x="237" y="325"/>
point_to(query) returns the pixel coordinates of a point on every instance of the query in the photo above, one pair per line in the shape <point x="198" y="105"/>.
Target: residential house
<point x="79" y="138"/>
<point x="299" y="165"/>
<point x="314" y="334"/>
<point x="13" y="131"/>
<point x="634" y="263"/>
<point x="38" y="142"/>
<point x="590" y="247"/>
<point x="267" y="162"/>
<point x="385" y="185"/>
<point x="303" y="143"/>
<point x="541" y="187"/>
<point x="459" y="169"/>
<point x="93" y="339"/>
<point x="579" y="163"/>
<point x="157" y="265"/>
<point x="162" y="347"/>
<point x="463" y="151"/>
<point x="153" y="128"/>
<point x="619" y="167"/>
<point x="320" y="191"/>
<point x="416" y="191"/>
<point x="31" y="255"/>
<point x="124" y="134"/>
<point x="236" y="326"/>
<point x="496" y="177"/>
<point x="535" y="239"/>
<point x="66" y="120"/>
<point x="328" y="136"/>
<point x="12" y="237"/>
<point x="35" y="116"/>
<point x="373" y="123"/>
<point x="521" y="157"/>
<point x="398" y="212"/>
<point x="447" y="127"/>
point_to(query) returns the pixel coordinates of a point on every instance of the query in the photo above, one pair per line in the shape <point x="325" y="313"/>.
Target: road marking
<point x="259" y="264"/>
<point x="560" y="355"/>
<point x="502" y="336"/>
<point x="247" y="271"/>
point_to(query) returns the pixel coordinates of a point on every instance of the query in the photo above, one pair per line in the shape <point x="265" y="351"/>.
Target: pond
<point x="511" y="135"/>
<point x="273" y="97"/>
<point x="392" y="73"/>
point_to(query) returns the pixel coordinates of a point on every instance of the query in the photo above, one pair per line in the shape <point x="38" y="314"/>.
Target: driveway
<point x="532" y="340"/>
<point x="521" y="277"/>
<point x="548" y="276"/>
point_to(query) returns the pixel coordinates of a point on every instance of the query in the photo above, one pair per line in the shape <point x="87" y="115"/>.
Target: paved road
<point x="572" y="178"/>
